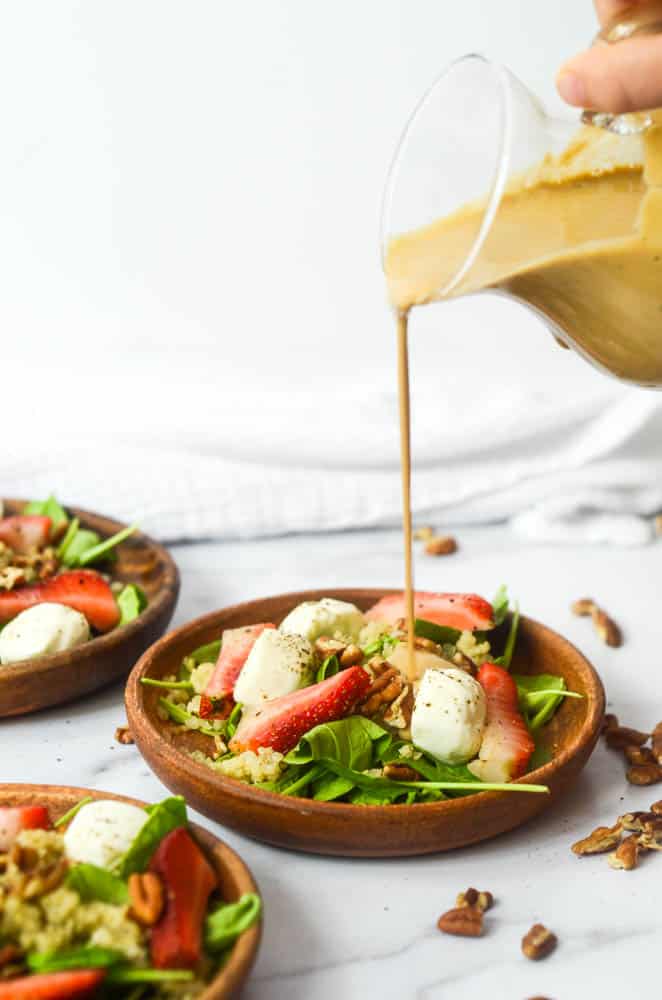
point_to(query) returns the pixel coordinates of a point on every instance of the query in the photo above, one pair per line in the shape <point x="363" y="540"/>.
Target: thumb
<point x="626" y="76"/>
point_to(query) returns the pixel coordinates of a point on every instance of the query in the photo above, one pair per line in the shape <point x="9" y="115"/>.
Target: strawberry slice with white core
<point x="507" y="744"/>
<point x="81" y="589"/>
<point x="466" y="612"/>
<point x="24" y="533"/>
<point x="13" y="819"/>
<point x="281" y="722"/>
<point x="236" y="645"/>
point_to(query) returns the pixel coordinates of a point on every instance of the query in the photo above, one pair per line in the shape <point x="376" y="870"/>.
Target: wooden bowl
<point x="51" y="680"/>
<point x="234" y="877"/>
<point x="357" y="830"/>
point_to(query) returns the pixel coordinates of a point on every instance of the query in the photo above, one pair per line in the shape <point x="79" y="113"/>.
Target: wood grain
<point x="234" y="877"/>
<point x="50" y="680"/>
<point x="342" y="828"/>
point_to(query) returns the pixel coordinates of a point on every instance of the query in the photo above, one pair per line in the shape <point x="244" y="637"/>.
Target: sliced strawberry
<point x="82" y="589"/>
<point x="467" y="612"/>
<point x="189" y="879"/>
<point x="13" y="819"/>
<point x="53" y="985"/>
<point x="507" y="744"/>
<point x="236" y="645"/>
<point x="25" y="532"/>
<point x="281" y="722"/>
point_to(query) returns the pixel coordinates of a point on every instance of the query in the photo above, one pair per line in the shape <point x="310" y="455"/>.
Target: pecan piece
<point x="124" y="735"/>
<point x="651" y="833"/>
<point x="644" y="774"/>
<point x="638" y="755"/>
<point x="619" y="737"/>
<point x="326" y="646"/>
<point x="609" y="722"/>
<point x="583" y="607"/>
<point x="471" y="897"/>
<point x="401" y="772"/>
<point x="657" y="807"/>
<point x="633" y="822"/>
<point x="606" y="628"/>
<point x="538" y="943"/>
<point x="383" y="690"/>
<point x="45" y="881"/>
<point x="603" y="838"/>
<point x="9" y="954"/>
<point x="424" y="533"/>
<point x="626" y="855"/>
<point x="656" y="743"/>
<point x="441" y="545"/>
<point x="351" y="656"/>
<point x="465" y="921"/>
<point x="146" y="897"/>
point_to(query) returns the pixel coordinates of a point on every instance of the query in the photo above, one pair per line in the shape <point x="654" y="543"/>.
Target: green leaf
<point x="329" y="668"/>
<point x="81" y="540"/>
<point x="224" y="925"/>
<point x="381" y="646"/>
<point x="88" y="957"/>
<point x="69" y="815"/>
<point x="349" y="741"/>
<point x="371" y="782"/>
<point x="168" y="685"/>
<point x="163" y="818"/>
<point x="234" y="719"/>
<point x="69" y="534"/>
<point x="103" y="548"/>
<point x="131" y="975"/>
<point x="131" y="600"/>
<point x="437" y="633"/>
<point x="180" y="715"/>
<point x="49" y="508"/>
<point x="93" y="883"/>
<point x="500" y="605"/>
<point x="295" y="780"/>
<point x="206" y="654"/>
<point x="539" y="697"/>
<point x="330" y="787"/>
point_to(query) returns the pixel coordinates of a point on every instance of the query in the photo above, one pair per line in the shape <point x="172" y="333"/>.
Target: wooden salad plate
<point x="234" y="877"/>
<point x="51" y="680"/>
<point x="359" y="830"/>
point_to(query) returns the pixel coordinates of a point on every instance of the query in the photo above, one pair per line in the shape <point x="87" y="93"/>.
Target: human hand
<point x="618" y="78"/>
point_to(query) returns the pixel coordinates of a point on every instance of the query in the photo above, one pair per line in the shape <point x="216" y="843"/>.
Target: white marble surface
<point x="353" y="929"/>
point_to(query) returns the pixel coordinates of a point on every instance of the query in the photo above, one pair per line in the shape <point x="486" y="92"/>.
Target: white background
<point x="190" y="204"/>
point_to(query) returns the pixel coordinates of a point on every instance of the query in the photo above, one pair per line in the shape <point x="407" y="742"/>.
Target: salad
<point x="322" y="706"/>
<point x="112" y="901"/>
<point x="56" y="586"/>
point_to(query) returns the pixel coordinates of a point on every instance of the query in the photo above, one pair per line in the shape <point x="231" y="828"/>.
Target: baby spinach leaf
<point x="49" y="508"/>
<point x="80" y="541"/>
<point x="69" y="534"/>
<point x="381" y="646"/>
<point x="87" y="957"/>
<point x="500" y="605"/>
<point x="103" y="548"/>
<point x="180" y="715"/>
<point x="234" y="719"/>
<point x="167" y="685"/>
<point x="163" y="818"/>
<point x="369" y="781"/>
<point x="93" y="883"/>
<point x="507" y="657"/>
<point x="129" y="975"/>
<point x="224" y="925"/>
<point x="131" y="600"/>
<point x="440" y="634"/>
<point x="539" y="697"/>
<point x="295" y="780"/>
<point x="349" y="741"/>
<point x="70" y="813"/>
<point x="206" y="654"/>
<point x="330" y="787"/>
<point x="329" y="668"/>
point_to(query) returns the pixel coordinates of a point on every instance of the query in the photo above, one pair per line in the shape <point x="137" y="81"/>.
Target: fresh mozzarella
<point x="41" y="629"/>
<point x="326" y="617"/>
<point x="277" y="664"/>
<point x="449" y="715"/>
<point x="102" y="832"/>
<point x="424" y="660"/>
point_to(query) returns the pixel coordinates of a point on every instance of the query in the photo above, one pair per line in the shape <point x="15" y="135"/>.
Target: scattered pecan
<point x="583" y="607"/>
<point x="606" y="628"/>
<point x="619" y="737"/>
<point x="639" y="755"/>
<point x="464" y="662"/>
<point x="471" y="897"/>
<point x="146" y="898"/>
<point x="633" y="822"/>
<point x="400" y="772"/>
<point x="657" y="807"/>
<point x="441" y="545"/>
<point x="644" y="774"/>
<point x="399" y="712"/>
<point x="326" y="646"/>
<point x="465" y="921"/>
<point x="609" y="722"/>
<point x="626" y="855"/>
<point x="424" y="533"/>
<point x="656" y="743"/>
<point x="651" y="833"/>
<point x="383" y="690"/>
<point x="538" y="943"/>
<point x="603" y="838"/>
<point x="124" y="735"/>
<point x="351" y="656"/>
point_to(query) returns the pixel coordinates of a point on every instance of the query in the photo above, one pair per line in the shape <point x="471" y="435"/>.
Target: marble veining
<point x="361" y="928"/>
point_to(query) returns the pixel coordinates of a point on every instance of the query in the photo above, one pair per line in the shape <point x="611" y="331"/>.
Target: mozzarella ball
<point x="42" y="629"/>
<point x="277" y="664"/>
<point x="102" y="832"/>
<point x="325" y="617"/>
<point x="449" y="715"/>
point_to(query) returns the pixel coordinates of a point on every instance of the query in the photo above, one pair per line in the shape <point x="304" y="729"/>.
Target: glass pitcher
<point x="486" y="191"/>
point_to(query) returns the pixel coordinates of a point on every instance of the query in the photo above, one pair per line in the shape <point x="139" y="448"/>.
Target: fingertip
<point x="571" y="87"/>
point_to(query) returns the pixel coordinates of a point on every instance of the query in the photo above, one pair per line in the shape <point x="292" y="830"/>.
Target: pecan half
<point x="644" y="774"/>
<point x="465" y="921"/>
<point x="656" y="743"/>
<point x="657" y="807"/>
<point x="471" y="897"/>
<point x="609" y="722"/>
<point x="626" y="855"/>
<point x="124" y="735"/>
<point x="633" y="822"/>
<point x="651" y="833"/>
<point x="606" y="628"/>
<point x="383" y="690"/>
<point x="441" y="545"/>
<point x="583" y="607"/>
<point x="619" y="737"/>
<point x="424" y="533"/>
<point x="539" y="942"/>
<point x="401" y="772"/>
<point x="638" y="755"/>
<point x="326" y="646"/>
<point x="146" y="898"/>
<point x="351" y="656"/>
<point x="602" y="839"/>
